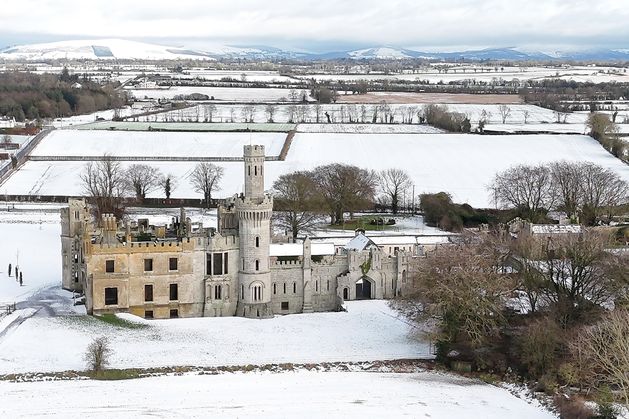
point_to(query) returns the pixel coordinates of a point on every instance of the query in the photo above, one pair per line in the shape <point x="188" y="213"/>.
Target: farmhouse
<point x="186" y="270"/>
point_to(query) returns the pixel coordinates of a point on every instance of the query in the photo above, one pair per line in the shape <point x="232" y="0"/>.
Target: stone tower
<point x="254" y="209"/>
<point x="74" y="218"/>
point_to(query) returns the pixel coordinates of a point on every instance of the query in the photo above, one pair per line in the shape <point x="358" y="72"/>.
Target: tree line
<point x="551" y="312"/>
<point x="583" y="190"/>
<point x="29" y="96"/>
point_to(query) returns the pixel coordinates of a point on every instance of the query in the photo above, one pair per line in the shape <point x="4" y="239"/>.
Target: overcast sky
<point x="324" y="24"/>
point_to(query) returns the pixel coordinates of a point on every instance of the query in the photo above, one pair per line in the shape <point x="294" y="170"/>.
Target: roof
<point x="297" y="249"/>
<point x="360" y="242"/>
<point x="555" y="228"/>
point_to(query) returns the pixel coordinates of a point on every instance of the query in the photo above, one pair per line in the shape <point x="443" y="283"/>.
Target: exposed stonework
<point x="186" y="270"/>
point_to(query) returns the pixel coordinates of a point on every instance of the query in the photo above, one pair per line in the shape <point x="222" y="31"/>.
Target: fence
<point x="6" y="309"/>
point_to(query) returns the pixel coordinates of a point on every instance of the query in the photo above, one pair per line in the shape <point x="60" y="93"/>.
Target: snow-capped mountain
<point x="99" y="49"/>
<point x="107" y="49"/>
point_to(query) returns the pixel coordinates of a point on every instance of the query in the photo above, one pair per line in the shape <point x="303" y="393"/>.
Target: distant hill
<point x="111" y="49"/>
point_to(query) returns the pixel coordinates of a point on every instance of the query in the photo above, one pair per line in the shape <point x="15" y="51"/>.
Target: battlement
<point x="254" y="151"/>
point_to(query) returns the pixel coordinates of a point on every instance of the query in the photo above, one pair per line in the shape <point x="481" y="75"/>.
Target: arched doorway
<point x="364" y="288"/>
<point x="345" y="294"/>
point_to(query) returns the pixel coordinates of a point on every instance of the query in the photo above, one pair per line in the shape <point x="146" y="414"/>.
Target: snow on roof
<point x="297" y="249"/>
<point x="360" y="242"/>
<point x="555" y="228"/>
<point x="390" y="240"/>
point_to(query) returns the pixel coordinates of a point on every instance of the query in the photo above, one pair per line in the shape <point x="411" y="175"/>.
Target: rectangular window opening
<point x="111" y="296"/>
<point x="174" y="292"/>
<point x="109" y="266"/>
<point x="173" y="264"/>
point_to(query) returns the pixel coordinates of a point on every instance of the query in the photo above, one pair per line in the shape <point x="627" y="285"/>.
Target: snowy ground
<point x="300" y="394"/>
<point x="462" y="165"/>
<point x="340" y="113"/>
<point x="368" y="129"/>
<point x="225" y="94"/>
<point x="155" y="144"/>
<point x="368" y="331"/>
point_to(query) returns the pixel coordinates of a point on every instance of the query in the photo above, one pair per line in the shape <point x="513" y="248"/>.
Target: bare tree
<point x="567" y="178"/>
<point x="97" y="354"/>
<point x="248" y="113"/>
<point x="317" y="111"/>
<point x="297" y="203"/>
<point x="104" y="182"/>
<point x="142" y="179"/>
<point x="602" y="353"/>
<point x="205" y="179"/>
<point x="603" y="190"/>
<point x="168" y="183"/>
<point x="462" y="289"/>
<point x="211" y="110"/>
<point x="526" y="114"/>
<point x="270" y="110"/>
<point x="505" y="112"/>
<point x="526" y="188"/>
<point x="292" y="112"/>
<point x="393" y="184"/>
<point x="293" y="95"/>
<point x="345" y="188"/>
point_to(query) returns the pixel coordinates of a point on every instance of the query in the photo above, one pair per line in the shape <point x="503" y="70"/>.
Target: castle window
<point x="148" y="293"/>
<point x="218" y="264"/>
<point x="217" y="292"/>
<point x="174" y="313"/>
<point x="327" y="285"/>
<point x="256" y="293"/>
<point x="208" y="264"/>
<point x="76" y="277"/>
<point x="109" y="266"/>
<point x="148" y="314"/>
<point x="76" y="215"/>
<point x="257" y="265"/>
<point x="225" y="262"/>
<point x="317" y="286"/>
<point x="257" y="241"/>
<point x="111" y="296"/>
<point x="255" y="170"/>
<point x="284" y="287"/>
<point x="174" y="292"/>
<point x="274" y="288"/>
<point x="76" y="258"/>
<point x="284" y="305"/>
<point x="243" y="264"/>
<point x="249" y="170"/>
<point x="173" y="264"/>
<point x="148" y="265"/>
<point x="242" y="292"/>
<point x="294" y="287"/>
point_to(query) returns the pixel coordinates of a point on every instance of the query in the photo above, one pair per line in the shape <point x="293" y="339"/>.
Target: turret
<point x="254" y="171"/>
<point x="254" y="211"/>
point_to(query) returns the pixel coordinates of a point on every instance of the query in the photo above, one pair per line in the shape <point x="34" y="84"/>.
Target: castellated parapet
<point x="184" y="270"/>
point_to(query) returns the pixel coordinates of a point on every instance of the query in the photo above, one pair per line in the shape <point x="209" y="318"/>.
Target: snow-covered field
<point x="463" y="165"/>
<point x="247" y="75"/>
<point x="302" y="394"/>
<point x="93" y="117"/>
<point x="488" y="74"/>
<point x="368" y="129"/>
<point x="236" y="94"/>
<point x="154" y="144"/>
<point x="361" y="112"/>
<point x="32" y="241"/>
<point x="368" y="331"/>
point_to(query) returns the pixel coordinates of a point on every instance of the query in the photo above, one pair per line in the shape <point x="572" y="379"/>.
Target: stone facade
<point x="185" y="270"/>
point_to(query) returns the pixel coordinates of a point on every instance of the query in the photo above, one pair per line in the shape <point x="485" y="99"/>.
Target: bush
<point x="539" y="345"/>
<point x="572" y="408"/>
<point x="97" y="354"/>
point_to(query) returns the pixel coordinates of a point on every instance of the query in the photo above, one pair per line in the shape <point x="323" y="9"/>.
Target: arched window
<point x="255" y="170"/>
<point x="274" y="288"/>
<point x="257" y="241"/>
<point x="249" y="170"/>
<point x="256" y="292"/>
<point x="345" y="293"/>
<point x="257" y="265"/>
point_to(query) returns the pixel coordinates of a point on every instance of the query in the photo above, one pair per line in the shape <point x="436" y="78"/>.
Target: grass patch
<point x="366" y="222"/>
<point x="115" y="374"/>
<point x="117" y="321"/>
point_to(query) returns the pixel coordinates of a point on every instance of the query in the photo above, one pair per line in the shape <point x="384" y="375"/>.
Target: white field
<point x="462" y="165"/>
<point x="226" y="94"/>
<point x="368" y="129"/>
<point x="368" y="331"/>
<point x="301" y="394"/>
<point x="488" y="74"/>
<point x="152" y="143"/>
<point x="233" y="113"/>
<point x="250" y="76"/>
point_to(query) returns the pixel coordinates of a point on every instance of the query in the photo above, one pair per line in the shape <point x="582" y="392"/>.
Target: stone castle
<point x="185" y="270"/>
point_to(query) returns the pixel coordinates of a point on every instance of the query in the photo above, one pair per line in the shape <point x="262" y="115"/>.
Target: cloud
<point x="327" y="22"/>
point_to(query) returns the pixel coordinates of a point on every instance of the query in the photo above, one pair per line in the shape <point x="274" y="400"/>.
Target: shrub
<point x="538" y="346"/>
<point x="97" y="354"/>
<point x="572" y="408"/>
